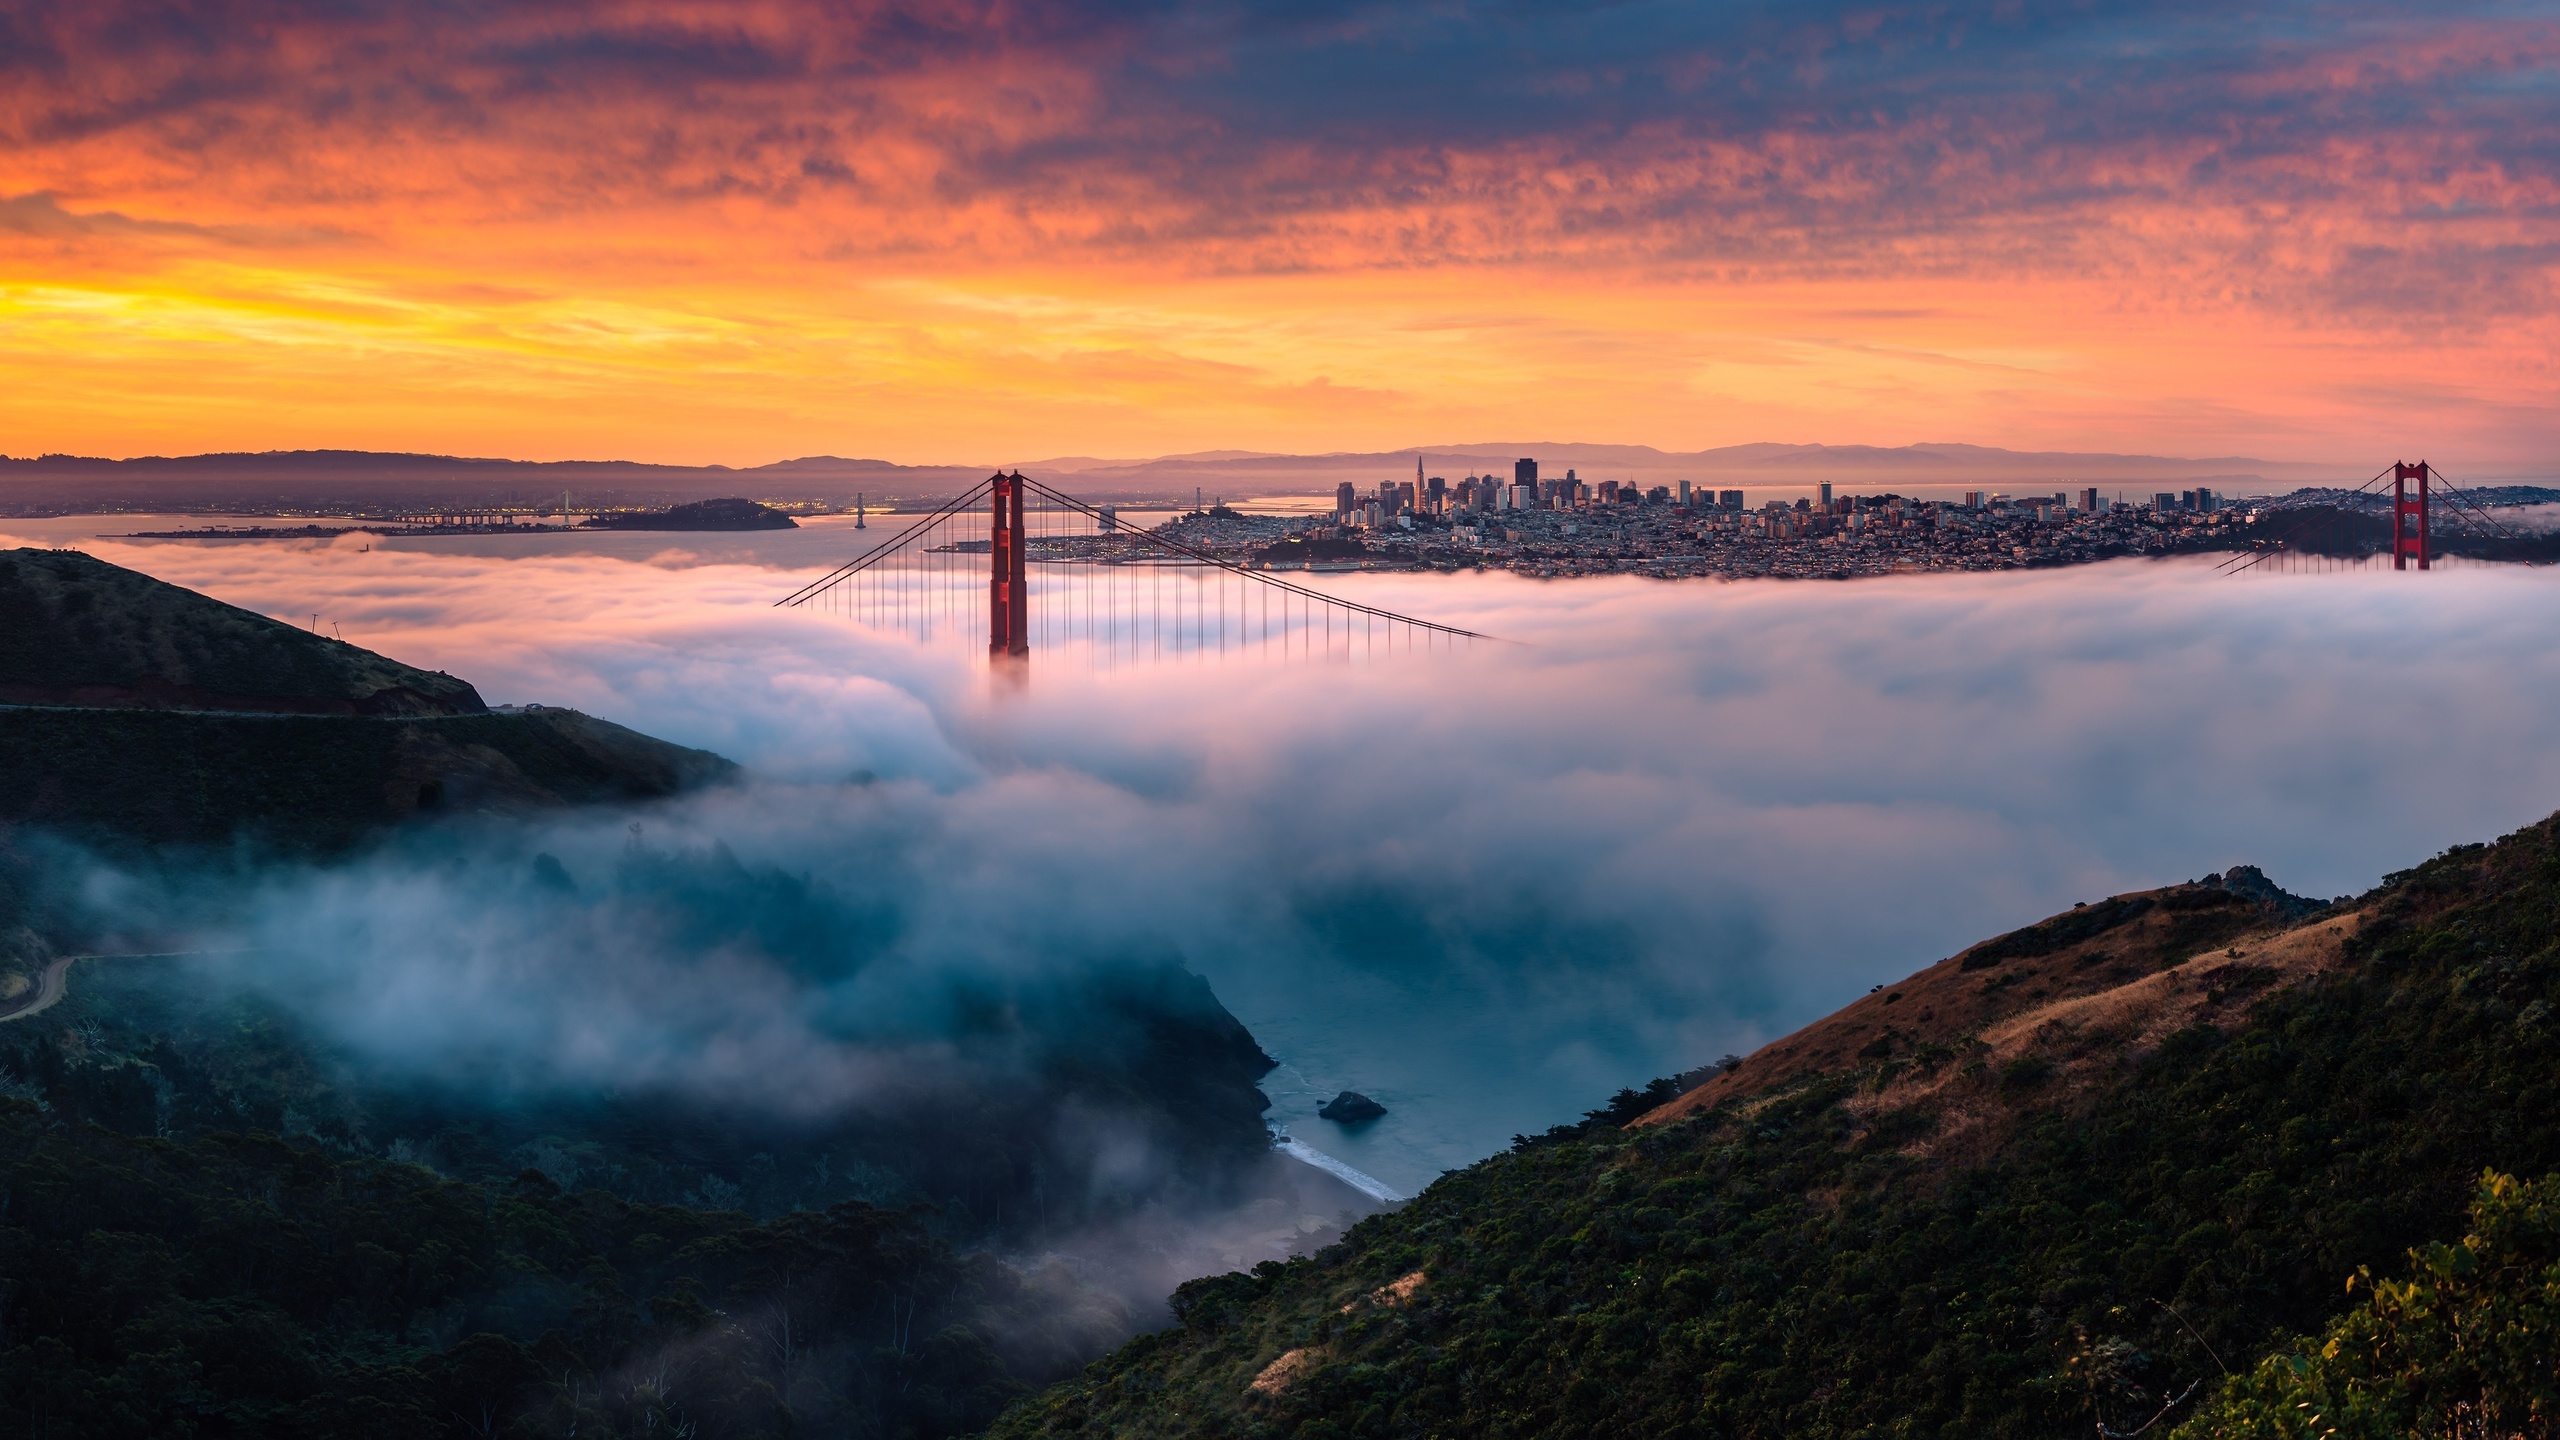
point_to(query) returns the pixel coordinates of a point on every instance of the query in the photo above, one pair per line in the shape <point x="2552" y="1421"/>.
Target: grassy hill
<point x="2102" y="1160"/>
<point x="78" y="631"/>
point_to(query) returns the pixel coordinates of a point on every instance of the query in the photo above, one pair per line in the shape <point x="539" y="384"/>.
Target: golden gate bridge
<point x="1024" y="566"/>
<point x="2414" y="518"/>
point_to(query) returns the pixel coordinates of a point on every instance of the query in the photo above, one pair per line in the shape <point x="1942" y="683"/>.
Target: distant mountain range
<point x="303" y="479"/>
<point x="366" y="480"/>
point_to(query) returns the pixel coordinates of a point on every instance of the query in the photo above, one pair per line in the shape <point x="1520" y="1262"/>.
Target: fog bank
<point x="1487" y="890"/>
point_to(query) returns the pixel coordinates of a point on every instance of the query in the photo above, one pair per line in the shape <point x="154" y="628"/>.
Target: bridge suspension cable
<point x="885" y="548"/>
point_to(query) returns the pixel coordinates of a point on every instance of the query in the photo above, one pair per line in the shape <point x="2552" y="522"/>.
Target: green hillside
<point x="78" y="631"/>
<point x="2061" y="1220"/>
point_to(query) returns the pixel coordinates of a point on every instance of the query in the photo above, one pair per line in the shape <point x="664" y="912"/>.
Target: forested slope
<point x="242" y="1286"/>
<point x="215" y="1222"/>
<point x="2062" y="1221"/>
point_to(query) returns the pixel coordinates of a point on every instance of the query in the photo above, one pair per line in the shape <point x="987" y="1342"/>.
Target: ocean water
<point x="1489" y="886"/>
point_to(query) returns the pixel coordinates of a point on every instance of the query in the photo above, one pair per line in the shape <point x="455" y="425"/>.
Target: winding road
<point x="56" y="979"/>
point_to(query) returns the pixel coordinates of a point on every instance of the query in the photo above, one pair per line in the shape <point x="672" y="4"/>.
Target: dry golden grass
<point x="1284" y="1372"/>
<point x="1399" y="1291"/>
<point x="2149" y="1010"/>
<point x="2084" y="1010"/>
<point x="2083" y="1036"/>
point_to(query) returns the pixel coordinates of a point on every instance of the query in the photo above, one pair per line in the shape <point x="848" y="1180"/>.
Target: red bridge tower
<point x="2408" y="539"/>
<point x="1009" y="602"/>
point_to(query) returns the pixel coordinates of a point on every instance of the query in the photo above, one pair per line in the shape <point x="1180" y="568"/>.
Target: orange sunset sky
<point x="940" y="232"/>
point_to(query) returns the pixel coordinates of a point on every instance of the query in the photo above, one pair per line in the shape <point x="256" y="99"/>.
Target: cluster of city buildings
<point x="1568" y="526"/>
<point x="1437" y="497"/>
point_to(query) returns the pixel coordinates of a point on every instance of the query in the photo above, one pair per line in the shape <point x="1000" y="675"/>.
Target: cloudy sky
<point x="1003" y="229"/>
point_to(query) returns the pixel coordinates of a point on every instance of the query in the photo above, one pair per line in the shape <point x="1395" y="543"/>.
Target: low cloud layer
<point x="1485" y="889"/>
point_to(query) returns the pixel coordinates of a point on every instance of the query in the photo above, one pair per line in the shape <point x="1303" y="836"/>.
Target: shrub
<point x="2468" y="1345"/>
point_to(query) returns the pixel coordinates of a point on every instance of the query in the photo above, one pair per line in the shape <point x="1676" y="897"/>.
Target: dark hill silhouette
<point x="136" y="711"/>
<point x="75" y="630"/>
<point x="315" y="782"/>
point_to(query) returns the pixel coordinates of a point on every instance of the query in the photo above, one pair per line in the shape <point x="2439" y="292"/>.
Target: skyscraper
<point x="1525" y="472"/>
<point x="1344" y="497"/>
<point x="1826" y="497"/>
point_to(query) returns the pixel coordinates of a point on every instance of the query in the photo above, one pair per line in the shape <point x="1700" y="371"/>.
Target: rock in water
<point x="1350" y="1107"/>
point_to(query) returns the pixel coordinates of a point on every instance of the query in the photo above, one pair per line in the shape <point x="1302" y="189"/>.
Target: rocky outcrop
<point x="2251" y="883"/>
<point x="1350" y="1108"/>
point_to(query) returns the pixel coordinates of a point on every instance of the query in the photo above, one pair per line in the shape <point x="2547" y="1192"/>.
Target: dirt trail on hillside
<point x="56" y="981"/>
